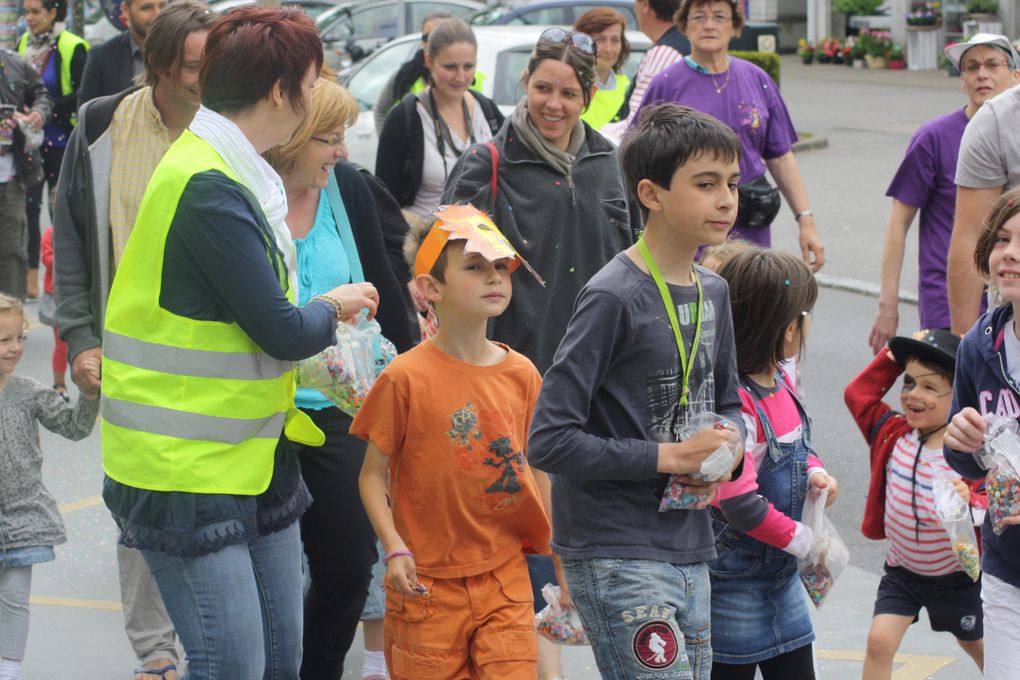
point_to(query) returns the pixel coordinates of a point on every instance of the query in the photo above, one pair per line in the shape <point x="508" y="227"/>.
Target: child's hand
<point x="966" y="431"/>
<point x="962" y="489"/>
<point x="402" y="575"/>
<point x="686" y="457"/>
<point x="821" y="480"/>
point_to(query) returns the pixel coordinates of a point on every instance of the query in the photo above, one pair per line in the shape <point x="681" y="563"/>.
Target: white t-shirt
<point x="433" y="176"/>
<point x="990" y="148"/>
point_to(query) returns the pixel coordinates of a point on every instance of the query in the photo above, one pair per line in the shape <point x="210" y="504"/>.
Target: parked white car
<point x="503" y="53"/>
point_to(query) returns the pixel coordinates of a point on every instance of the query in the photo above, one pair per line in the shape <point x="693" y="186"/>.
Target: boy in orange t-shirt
<point x="445" y="481"/>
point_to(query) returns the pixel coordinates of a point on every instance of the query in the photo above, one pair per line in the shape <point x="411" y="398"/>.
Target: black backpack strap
<point x="97" y="114"/>
<point x="409" y="104"/>
<point x="493" y="116"/>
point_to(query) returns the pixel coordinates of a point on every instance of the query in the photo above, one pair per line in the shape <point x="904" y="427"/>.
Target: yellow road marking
<point x="105" y="605"/>
<point x="81" y="504"/>
<point x="914" y="666"/>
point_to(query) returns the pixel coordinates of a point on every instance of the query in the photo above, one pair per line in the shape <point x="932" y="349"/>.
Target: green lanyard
<point x="667" y="300"/>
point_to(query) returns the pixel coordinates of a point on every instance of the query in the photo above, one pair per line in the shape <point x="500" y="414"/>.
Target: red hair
<point x="250" y="49"/>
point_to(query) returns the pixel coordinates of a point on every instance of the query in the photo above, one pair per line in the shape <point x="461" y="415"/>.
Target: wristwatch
<point x="804" y="213"/>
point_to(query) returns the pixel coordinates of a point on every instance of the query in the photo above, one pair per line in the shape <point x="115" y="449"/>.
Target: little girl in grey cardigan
<point x="30" y="524"/>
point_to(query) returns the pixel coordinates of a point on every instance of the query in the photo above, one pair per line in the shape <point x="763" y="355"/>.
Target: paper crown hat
<point x="480" y="235"/>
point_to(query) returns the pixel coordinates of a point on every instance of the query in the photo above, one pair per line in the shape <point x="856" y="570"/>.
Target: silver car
<point x="503" y="53"/>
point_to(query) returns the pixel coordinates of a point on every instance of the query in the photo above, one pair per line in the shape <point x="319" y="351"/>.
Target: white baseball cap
<point x="954" y="53"/>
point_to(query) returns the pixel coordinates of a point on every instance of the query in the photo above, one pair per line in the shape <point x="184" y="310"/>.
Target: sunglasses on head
<point x="581" y="41"/>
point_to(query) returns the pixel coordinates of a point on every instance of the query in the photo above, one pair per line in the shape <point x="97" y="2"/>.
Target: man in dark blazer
<point x="113" y="65"/>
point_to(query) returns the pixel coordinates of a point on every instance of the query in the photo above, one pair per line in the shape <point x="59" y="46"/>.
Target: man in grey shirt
<point x="989" y="164"/>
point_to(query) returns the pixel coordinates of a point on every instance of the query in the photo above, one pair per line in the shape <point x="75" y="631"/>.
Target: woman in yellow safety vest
<point x="59" y="57"/>
<point x="199" y="341"/>
<point x="606" y="26"/>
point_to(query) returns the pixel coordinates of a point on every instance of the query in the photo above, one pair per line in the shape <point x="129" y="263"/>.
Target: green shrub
<point x="767" y="61"/>
<point x="856" y="7"/>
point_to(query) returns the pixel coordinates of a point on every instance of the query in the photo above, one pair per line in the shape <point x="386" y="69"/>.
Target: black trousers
<point x="52" y="157"/>
<point x="340" y="545"/>
<point x="797" y="664"/>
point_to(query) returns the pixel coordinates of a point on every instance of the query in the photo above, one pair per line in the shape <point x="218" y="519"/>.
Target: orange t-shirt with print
<point x="461" y="490"/>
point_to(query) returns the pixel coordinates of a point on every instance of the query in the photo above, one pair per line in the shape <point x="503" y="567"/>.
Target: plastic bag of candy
<point x="828" y="556"/>
<point x="677" y="496"/>
<point x="954" y="515"/>
<point x="560" y="625"/>
<point x="345" y="371"/>
<point x="1000" y="455"/>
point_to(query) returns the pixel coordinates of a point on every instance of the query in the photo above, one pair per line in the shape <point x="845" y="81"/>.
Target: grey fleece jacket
<point x="82" y="263"/>
<point x="28" y="512"/>
<point x="566" y="226"/>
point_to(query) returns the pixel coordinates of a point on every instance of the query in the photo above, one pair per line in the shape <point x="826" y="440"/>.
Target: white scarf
<point x="255" y="174"/>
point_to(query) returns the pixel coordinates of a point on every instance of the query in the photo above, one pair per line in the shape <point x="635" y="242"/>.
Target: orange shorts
<point x="478" y="627"/>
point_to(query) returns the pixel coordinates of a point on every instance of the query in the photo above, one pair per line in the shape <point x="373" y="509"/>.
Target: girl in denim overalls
<point x="760" y="614"/>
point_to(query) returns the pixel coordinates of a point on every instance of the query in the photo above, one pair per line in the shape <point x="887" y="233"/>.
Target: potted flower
<point x="877" y="45"/>
<point x="857" y="52"/>
<point x="897" y="60"/>
<point x="823" y="56"/>
<point x="848" y="56"/>
<point x="983" y="10"/>
<point x="832" y="49"/>
<point x="924" y="16"/>
<point x="806" y="51"/>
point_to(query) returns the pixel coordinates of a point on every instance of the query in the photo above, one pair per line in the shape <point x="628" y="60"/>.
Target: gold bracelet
<point x="337" y="305"/>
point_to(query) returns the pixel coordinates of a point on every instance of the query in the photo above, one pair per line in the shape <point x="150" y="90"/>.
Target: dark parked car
<point x="549" y="12"/>
<point x="351" y="31"/>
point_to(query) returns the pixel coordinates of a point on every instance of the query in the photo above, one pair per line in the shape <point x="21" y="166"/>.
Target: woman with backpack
<point x="429" y="130"/>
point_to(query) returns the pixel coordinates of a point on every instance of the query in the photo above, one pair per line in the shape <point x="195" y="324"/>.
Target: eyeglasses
<point x="992" y="65"/>
<point x="334" y="141"/>
<point x="717" y="18"/>
<point x="581" y="41"/>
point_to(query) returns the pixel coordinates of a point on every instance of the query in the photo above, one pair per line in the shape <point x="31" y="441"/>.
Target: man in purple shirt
<point x="926" y="181"/>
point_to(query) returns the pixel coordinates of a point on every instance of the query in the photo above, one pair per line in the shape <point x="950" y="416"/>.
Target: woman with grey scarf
<point x="554" y="187"/>
<point x="58" y="56"/>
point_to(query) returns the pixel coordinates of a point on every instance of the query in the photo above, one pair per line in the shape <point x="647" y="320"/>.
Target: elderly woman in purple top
<point x="744" y="97"/>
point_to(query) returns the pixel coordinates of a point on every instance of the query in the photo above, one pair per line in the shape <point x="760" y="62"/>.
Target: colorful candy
<point x="818" y="581"/>
<point x="563" y="627"/>
<point x="678" y="497"/>
<point x="970" y="561"/>
<point x="1003" y="498"/>
<point x="346" y="371"/>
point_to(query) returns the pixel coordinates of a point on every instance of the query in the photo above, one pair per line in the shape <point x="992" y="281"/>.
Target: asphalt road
<point x="867" y="119"/>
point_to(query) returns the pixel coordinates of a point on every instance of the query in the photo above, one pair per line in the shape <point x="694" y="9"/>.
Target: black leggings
<point x="795" y="665"/>
<point x="340" y="545"/>
<point x="52" y="156"/>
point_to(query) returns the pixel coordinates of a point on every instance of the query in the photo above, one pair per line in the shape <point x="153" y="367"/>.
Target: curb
<point x="810" y="143"/>
<point x="860" y="287"/>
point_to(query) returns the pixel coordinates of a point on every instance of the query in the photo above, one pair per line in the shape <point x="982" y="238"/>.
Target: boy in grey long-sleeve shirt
<point x="610" y="410"/>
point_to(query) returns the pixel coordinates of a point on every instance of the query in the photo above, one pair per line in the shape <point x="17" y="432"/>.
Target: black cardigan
<point x="401" y="153"/>
<point x="368" y="236"/>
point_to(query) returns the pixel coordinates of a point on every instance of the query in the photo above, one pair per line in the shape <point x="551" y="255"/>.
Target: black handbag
<point x="759" y="203"/>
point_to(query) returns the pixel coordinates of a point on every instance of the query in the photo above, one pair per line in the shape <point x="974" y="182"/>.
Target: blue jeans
<point x="237" y="611"/>
<point x="646" y="620"/>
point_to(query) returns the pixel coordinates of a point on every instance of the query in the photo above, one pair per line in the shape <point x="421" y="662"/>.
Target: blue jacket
<point x="982" y="381"/>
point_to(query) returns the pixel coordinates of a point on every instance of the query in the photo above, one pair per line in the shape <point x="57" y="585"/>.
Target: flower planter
<point x="807" y="58"/>
<point x="824" y="59"/>
<point x="837" y="59"/>
<point x="923" y="48"/>
<point x="875" y="62"/>
<point x="896" y="65"/>
<point x="852" y="63"/>
<point x="858" y="63"/>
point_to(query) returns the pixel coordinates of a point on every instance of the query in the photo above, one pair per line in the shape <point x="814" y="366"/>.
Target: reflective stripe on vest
<point x="188" y="405"/>
<point x="606" y="103"/>
<point x="194" y="362"/>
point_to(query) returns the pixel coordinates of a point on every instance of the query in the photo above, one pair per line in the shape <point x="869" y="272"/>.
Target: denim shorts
<point x="647" y="620"/>
<point x="953" y="601"/>
<point x="24" y="557"/>
<point x="375" y="605"/>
